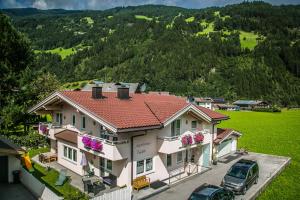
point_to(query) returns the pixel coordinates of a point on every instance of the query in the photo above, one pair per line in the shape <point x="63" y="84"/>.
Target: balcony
<point x="50" y="129"/>
<point x="112" y="150"/>
<point x="169" y="145"/>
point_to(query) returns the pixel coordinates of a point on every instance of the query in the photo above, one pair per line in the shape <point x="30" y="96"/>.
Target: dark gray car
<point x="241" y="176"/>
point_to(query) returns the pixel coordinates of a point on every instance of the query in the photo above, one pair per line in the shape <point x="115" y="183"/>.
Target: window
<point x="73" y="119"/>
<point x="106" y="164"/>
<point x="175" y="127"/>
<point x="149" y="164"/>
<point x="109" y="165"/>
<point x="179" y="157"/>
<point x="70" y="153"/>
<point x="194" y="125"/>
<point x="140" y="167"/>
<point x="83" y="122"/>
<point x="59" y="118"/>
<point x="169" y="160"/>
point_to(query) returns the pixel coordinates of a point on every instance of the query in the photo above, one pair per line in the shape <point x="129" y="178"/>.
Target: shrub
<point x="31" y="140"/>
<point x="83" y="84"/>
<point x="271" y="109"/>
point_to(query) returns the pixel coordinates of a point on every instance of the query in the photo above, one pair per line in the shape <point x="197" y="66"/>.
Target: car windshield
<point x="238" y="172"/>
<point x="196" y="196"/>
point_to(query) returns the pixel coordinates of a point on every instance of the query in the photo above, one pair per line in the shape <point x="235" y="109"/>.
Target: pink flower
<point x="187" y="140"/>
<point x="96" y="145"/>
<point x="198" y="138"/>
<point x="87" y="141"/>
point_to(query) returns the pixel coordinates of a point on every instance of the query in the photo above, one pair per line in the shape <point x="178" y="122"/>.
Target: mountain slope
<point x="250" y="50"/>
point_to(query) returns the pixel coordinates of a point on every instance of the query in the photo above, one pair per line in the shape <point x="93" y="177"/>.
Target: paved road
<point x="14" y="192"/>
<point x="269" y="167"/>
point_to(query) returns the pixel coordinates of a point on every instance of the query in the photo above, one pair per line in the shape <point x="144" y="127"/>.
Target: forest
<point x="242" y="51"/>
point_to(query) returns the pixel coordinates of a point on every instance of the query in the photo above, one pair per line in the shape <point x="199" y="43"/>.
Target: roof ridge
<point x="148" y="106"/>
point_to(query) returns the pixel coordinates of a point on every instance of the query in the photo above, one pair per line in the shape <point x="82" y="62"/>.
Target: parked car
<point x="211" y="192"/>
<point x="241" y="176"/>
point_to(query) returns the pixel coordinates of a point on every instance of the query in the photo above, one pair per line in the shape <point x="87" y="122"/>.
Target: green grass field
<point x="143" y="17"/>
<point x="272" y="133"/>
<point x="62" y="51"/>
<point x="190" y="19"/>
<point x="88" y="20"/>
<point x="248" y="39"/>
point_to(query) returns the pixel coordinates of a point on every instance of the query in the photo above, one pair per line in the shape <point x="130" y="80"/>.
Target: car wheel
<point x="244" y="190"/>
<point x="256" y="180"/>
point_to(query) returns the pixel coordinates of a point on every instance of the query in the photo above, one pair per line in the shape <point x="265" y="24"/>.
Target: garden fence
<point x="121" y="194"/>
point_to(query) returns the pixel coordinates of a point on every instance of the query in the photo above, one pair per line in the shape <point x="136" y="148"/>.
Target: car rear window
<point x="196" y="196"/>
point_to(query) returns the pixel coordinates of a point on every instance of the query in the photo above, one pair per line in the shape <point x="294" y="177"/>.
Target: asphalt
<point x="270" y="166"/>
<point x="14" y="192"/>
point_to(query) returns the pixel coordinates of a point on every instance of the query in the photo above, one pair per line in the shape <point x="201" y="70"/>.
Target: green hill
<point x="238" y="51"/>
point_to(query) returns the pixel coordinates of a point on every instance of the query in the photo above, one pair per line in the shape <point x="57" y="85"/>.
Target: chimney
<point x="97" y="92"/>
<point x="123" y="92"/>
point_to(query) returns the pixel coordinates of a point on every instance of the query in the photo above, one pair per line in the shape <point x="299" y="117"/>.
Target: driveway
<point x="14" y="192"/>
<point x="270" y="167"/>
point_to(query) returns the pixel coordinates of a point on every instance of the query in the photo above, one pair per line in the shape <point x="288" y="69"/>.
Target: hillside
<point x="249" y="50"/>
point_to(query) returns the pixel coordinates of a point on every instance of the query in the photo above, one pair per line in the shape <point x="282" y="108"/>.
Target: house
<point x="227" y="107"/>
<point x="123" y="135"/>
<point x="204" y="102"/>
<point x="10" y="159"/>
<point x="251" y="104"/>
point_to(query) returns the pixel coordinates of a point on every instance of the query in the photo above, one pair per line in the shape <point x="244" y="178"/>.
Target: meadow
<point x="272" y="133"/>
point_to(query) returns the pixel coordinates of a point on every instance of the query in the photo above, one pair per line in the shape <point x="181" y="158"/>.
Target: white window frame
<point x="74" y="119"/>
<point x="145" y="171"/>
<point x="68" y="150"/>
<point x="193" y="129"/>
<point x="81" y="122"/>
<point x="167" y="160"/>
<point x="176" y="131"/>
<point x="105" y="164"/>
<point x="179" y="161"/>
<point x="59" y="118"/>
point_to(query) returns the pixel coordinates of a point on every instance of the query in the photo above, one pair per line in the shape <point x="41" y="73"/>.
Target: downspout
<point x="131" y="153"/>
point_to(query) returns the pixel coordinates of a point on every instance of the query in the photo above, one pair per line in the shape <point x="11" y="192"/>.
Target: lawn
<point x="143" y="17"/>
<point x="190" y="19"/>
<point x="88" y="20"/>
<point x="207" y="28"/>
<point x="272" y="133"/>
<point x="62" y="51"/>
<point x="248" y="39"/>
<point x="50" y="177"/>
<point x="34" y="152"/>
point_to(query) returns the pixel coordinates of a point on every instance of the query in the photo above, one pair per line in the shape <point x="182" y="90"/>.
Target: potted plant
<point x="198" y="138"/>
<point x="187" y="140"/>
<point x="87" y="141"/>
<point x="96" y="145"/>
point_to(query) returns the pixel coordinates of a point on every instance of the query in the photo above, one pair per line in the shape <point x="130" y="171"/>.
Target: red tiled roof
<point x="222" y="133"/>
<point x="67" y="135"/>
<point x="140" y="110"/>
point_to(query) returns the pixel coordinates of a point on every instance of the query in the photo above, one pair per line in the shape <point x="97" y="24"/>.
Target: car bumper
<point x="235" y="189"/>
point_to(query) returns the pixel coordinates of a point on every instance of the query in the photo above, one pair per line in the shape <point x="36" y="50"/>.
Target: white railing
<point x="121" y="194"/>
<point x="110" y="142"/>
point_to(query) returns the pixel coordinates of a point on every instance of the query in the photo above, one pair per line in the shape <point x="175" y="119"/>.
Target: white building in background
<point x="122" y="135"/>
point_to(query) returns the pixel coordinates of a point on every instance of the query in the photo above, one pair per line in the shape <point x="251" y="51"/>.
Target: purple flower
<point x="87" y="141"/>
<point x="187" y="140"/>
<point x="198" y="138"/>
<point x="96" y="145"/>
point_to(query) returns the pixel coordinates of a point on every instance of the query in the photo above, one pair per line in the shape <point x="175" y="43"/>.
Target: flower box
<point x="87" y="141"/>
<point x="96" y="145"/>
<point x="198" y="138"/>
<point x="187" y="140"/>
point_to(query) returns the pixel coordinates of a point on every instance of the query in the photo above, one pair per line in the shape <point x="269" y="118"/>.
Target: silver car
<point x="241" y="176"/>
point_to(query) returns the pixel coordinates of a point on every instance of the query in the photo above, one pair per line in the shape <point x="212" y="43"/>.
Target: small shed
<point x="10" y="159"/>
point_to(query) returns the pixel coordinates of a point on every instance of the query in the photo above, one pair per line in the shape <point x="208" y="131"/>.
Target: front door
<point x="4" y="169"/>
<point x="206" y="155"/>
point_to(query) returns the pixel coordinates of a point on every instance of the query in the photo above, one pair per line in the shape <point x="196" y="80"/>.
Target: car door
<point x="222" y="194"/>
<point x="251" y="176"/>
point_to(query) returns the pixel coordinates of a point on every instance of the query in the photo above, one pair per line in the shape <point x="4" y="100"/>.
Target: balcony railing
<point x="50" y="129"/>
<point x="173" y="144"/>
<point x="112" y="150"/>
